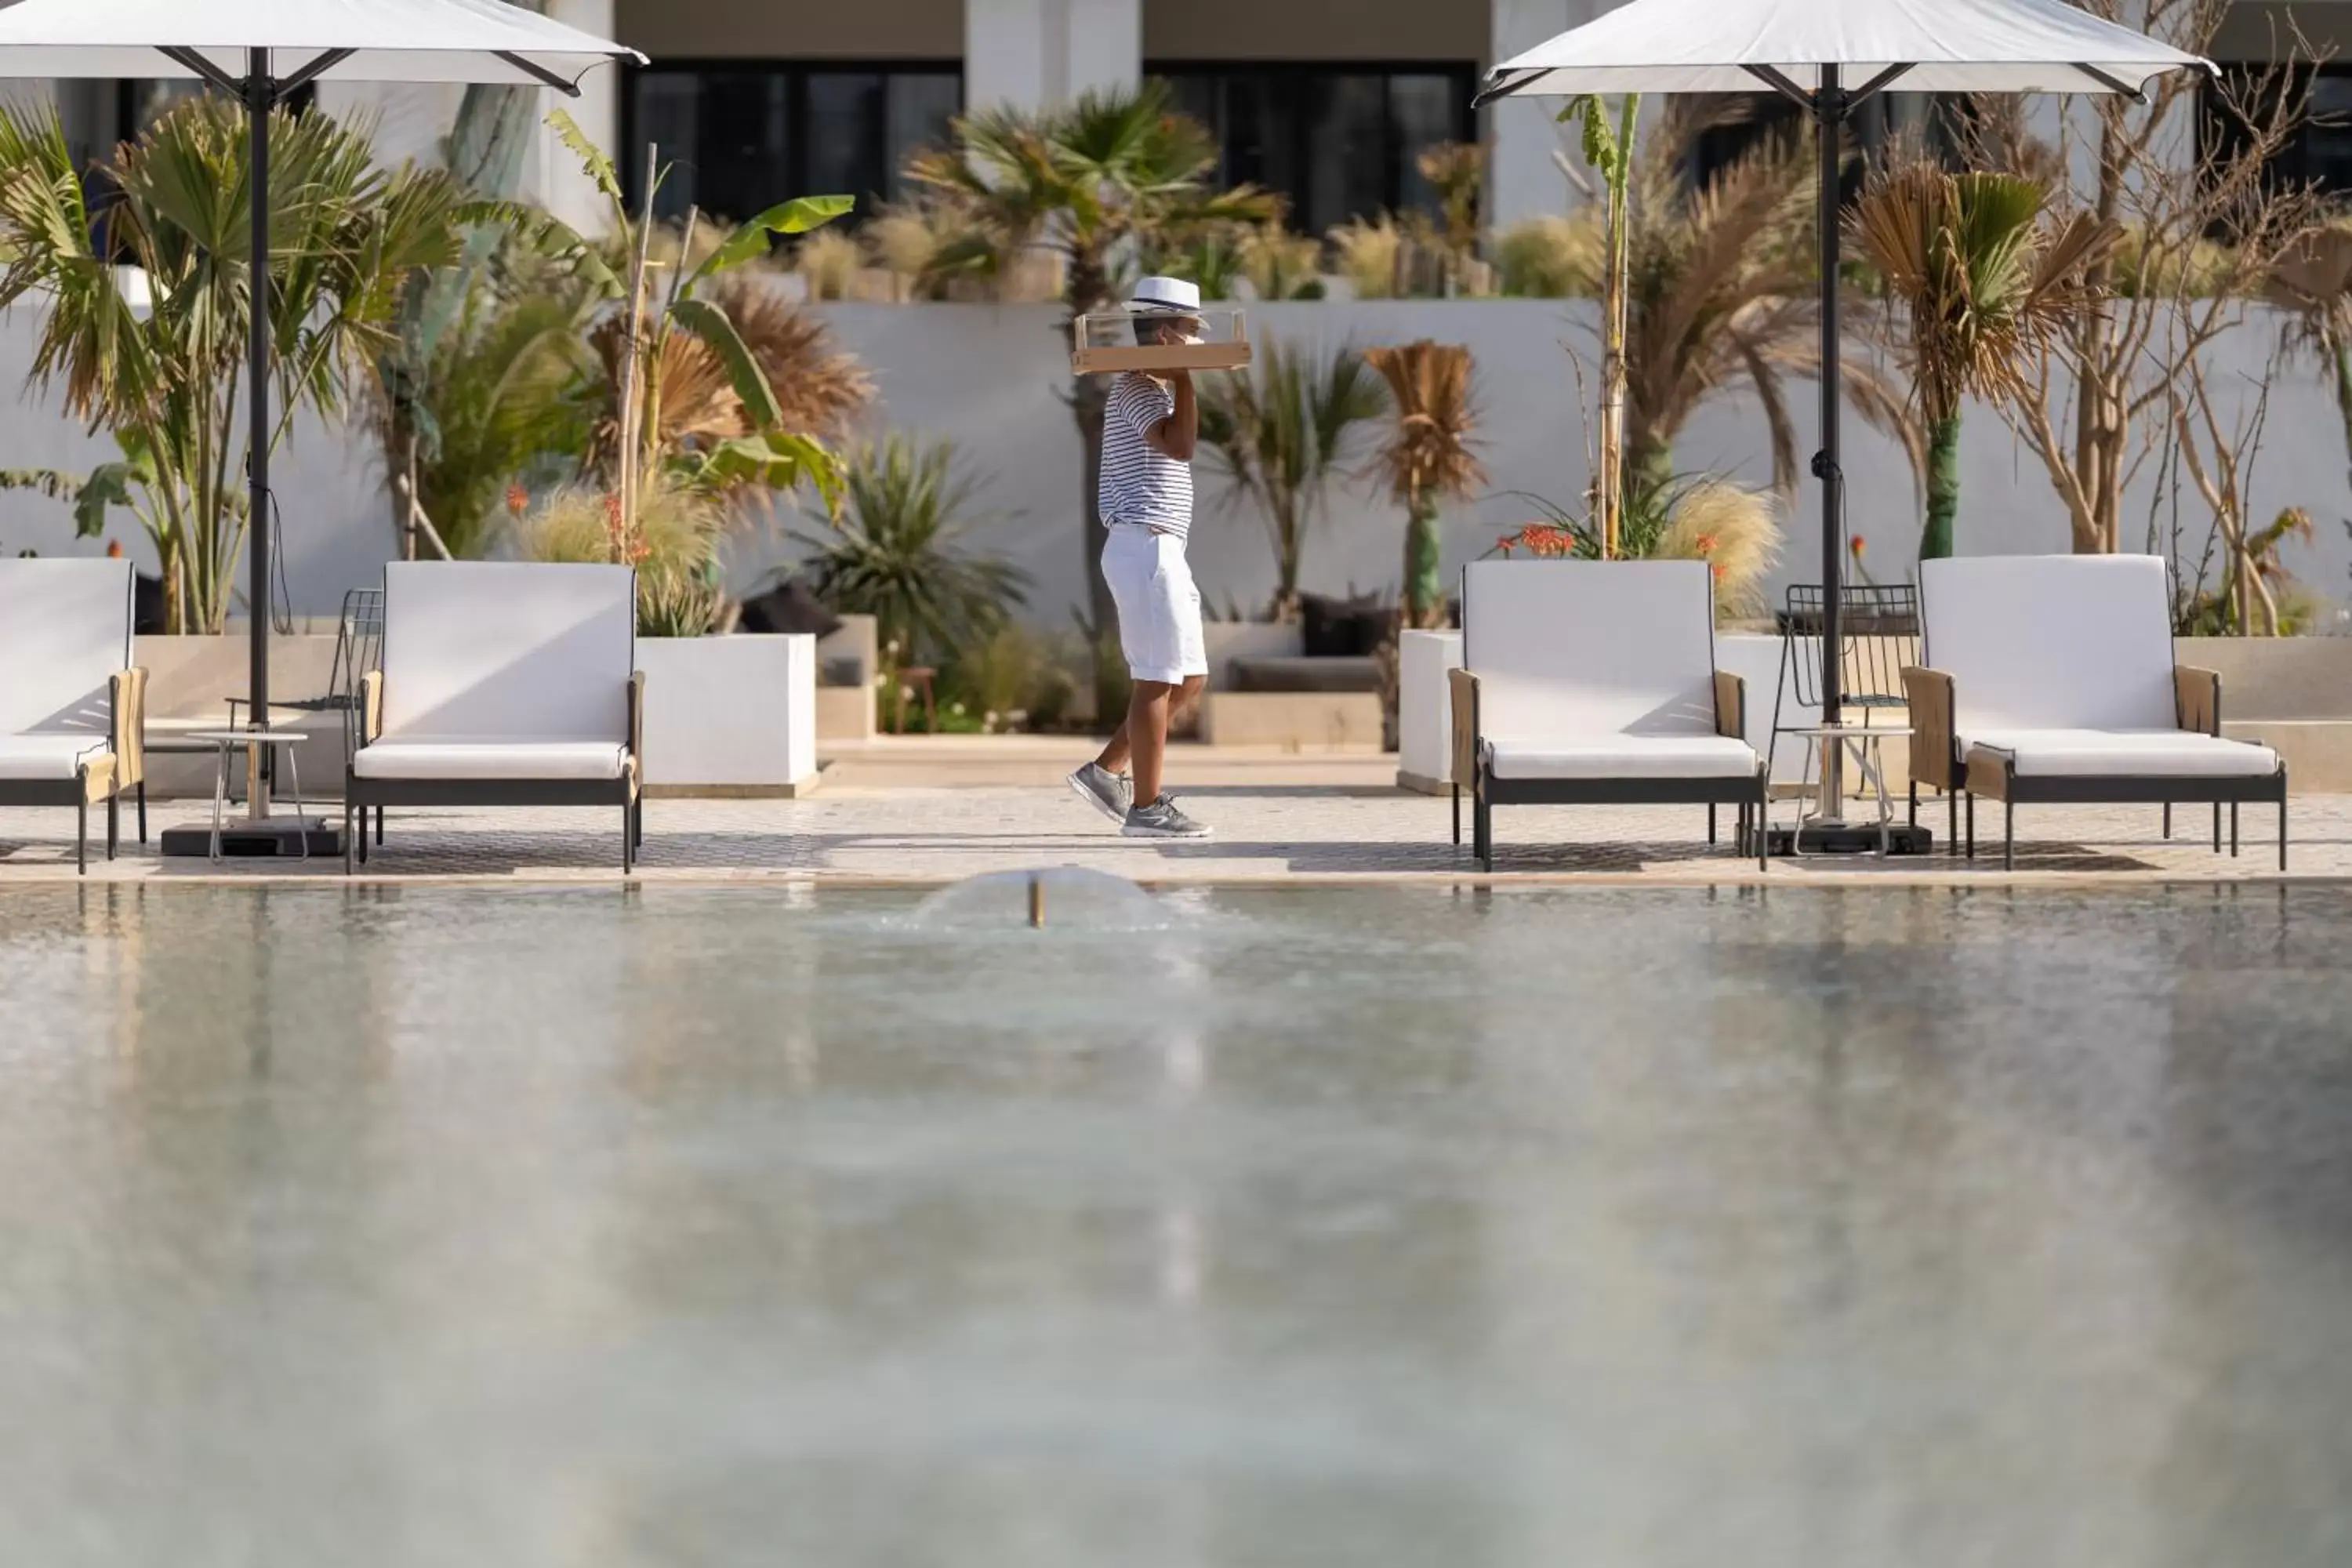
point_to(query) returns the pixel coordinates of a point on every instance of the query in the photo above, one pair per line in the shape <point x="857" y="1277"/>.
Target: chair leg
<point x="2008" y="836"/>
<point x="143" y="811"/>
<point x="637" y="814"/>
<point x="1756" y="817"/>
<point x="82" y="832"/>
<point x="355" y="838"/>
<point x="1915" y="803"/>
<point x="2233" y="830"/>
<point x="2167" y="819"/>
<point x="1482" y="827"/>
<point x="628" y="842"/>
<point x="1972" y="825"/>
<point x="1710" y="822"/>
<point x="379" y="827"/>
<point x="2282" y="817"/>
<point x="1457" y="814"/>
<point x="2217" y="827"/>
<point x="1951" y="822"/>
<point x="114" y="824"/>
<point x="360" y="840"/>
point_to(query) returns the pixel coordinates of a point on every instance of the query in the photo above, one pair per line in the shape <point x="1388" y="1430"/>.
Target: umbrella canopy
<point x="1940" y="46"/>
<point x="353" y="40"/>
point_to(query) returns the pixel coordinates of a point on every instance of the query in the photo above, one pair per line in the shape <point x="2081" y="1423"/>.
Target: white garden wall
<point x="992" y="379"/>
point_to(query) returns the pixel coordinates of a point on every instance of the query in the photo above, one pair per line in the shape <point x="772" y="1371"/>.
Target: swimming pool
<point x="1382" y="1227"/>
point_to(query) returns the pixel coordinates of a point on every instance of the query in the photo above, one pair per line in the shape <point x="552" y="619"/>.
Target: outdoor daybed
<point x="2051" y="677"/>
<point x="72" y="705"/>
<point x="503" y="683"/>
<point x="1591" y="683"/>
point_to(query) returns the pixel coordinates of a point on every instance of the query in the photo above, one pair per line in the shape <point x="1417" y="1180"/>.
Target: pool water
<point x="1791" y="1229"/>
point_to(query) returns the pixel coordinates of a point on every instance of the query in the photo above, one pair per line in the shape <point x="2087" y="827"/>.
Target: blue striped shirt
<point x="1140" y="483"/>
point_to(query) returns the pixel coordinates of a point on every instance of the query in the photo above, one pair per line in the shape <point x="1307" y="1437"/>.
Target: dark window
<point x="2318" y="151"/>
<point x="1336" y="142"/>
<point x="1930" y="123"/>
<point x="742" y="136"/>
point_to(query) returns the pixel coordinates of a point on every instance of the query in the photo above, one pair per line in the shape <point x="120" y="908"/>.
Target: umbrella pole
<point x="1829" y="113"/>
<point x="258" y="91"/>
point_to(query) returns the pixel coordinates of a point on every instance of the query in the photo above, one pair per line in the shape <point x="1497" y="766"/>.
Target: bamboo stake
<point x="630" y="346"/>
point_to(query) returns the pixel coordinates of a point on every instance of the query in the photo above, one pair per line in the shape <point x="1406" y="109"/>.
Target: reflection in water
<point x="426" y="1226"/>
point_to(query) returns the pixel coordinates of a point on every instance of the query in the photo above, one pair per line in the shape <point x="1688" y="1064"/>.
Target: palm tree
<point x="1281" y="433"/>
<point x="682" y="350"/>
<point x="897" y="553"/>
<point x="1985" y="283"/>
<point x="2312" y="283"/>
<point x="165" y="378"/>
<point x="1427" y="458"/>
<point x="1720" y="296"/>
<point x="1114" y="173"/>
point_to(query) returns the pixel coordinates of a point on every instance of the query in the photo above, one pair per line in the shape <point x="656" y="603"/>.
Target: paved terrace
<point x="938" y="810"/>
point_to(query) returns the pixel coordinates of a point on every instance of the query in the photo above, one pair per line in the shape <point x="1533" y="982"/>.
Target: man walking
<point x="1150" y="425"/>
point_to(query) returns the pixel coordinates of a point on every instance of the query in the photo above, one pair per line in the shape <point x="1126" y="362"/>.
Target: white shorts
<point x="1159" y="606"/>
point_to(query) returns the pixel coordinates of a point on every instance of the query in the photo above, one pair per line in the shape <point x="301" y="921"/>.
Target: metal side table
<point x="226" y="743"/>
<point x="1863" y="744"/>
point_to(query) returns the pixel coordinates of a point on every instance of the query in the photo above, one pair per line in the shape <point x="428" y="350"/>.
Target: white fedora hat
<point x="1165" y="297"/>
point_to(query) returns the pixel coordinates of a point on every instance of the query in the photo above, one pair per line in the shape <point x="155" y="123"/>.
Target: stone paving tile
<point x="1263" y="834"/>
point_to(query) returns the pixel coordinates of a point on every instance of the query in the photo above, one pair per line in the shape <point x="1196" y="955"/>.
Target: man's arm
<point x="1180" y="432"/>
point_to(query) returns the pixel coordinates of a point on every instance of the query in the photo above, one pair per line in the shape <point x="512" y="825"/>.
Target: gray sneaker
<point x="1160" y="820"/>
<point x="1104" y="790"/>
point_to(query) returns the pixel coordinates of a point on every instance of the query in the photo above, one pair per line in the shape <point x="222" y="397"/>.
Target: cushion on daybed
<point x="2051" y="642"/>
<point x="1578" y="650"/>
<point x="50" y="756"/>
<point x="506" y="652"/>
<point x="1624" y="757"/>
<point x="2126" y="754"/>
<point x="65" y="633"/>
<point x="482" y="759"/>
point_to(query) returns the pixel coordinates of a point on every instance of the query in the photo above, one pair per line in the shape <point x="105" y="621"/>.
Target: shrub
<point x="1549" y="258"/>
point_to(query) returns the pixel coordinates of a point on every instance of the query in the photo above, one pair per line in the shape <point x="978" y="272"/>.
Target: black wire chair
<point x="1878" y="636"/>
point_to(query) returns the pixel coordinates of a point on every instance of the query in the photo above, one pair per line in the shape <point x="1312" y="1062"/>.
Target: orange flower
<point x="517" y="499"/>
<point x="1854" y="545"/>
<point x="1705" y="545"/>
<point x="1718" y="570"/>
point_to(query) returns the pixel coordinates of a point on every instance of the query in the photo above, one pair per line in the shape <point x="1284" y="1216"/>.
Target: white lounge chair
<point x="72" y="705"/>
<point x="1586" y="682"/>
<point x="503" y="683"/>
<point x="2051" y="677"/>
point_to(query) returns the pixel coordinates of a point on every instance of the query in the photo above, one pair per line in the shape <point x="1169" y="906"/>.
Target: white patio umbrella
<point x="1808" y="51"/>
<point x="262" y="51"/>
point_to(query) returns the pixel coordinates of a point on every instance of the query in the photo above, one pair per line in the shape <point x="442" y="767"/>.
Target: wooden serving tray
<point x="1109" y="360"/>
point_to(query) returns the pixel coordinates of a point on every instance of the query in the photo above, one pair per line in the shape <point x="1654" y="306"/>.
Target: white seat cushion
<point x="536" y="760"/>
<point x="2124" y="753"/>
<point x="1624" y="757"/>
<point x="49" y="756"/>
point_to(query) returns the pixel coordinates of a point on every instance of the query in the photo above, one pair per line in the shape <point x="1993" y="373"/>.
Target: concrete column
<point x="554" y="177"/>
<point x="1524" y="181"/>
<point x="1042" y="54"/>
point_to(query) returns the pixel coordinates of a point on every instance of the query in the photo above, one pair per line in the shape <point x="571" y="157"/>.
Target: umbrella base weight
<point x="276" y="837"/>
<point x="1850" y="838"/>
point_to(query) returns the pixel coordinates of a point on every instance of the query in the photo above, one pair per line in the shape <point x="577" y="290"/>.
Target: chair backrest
<point x="508" y="650"/>
<point x="2051" y="642"/>
<point x="1878" y="635"/>
<point x="1591" y="647"/>
<point x="65" y="632"/>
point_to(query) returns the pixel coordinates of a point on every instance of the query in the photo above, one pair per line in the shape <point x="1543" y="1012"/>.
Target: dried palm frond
<point x="1429" y="450"/>
<point x="1370" y="256"/>
<point x="822" y="389"/>
<point x="1985" y="283"/>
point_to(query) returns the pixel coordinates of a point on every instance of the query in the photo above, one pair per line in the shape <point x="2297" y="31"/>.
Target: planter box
<point x="729" y="715"/>
<point x="189" y="682"/>
<point x="1293" y="720"/>
<point x="1426" y="662"/>
<point x="846" y="707"/>
<point x="1225" y="641"/>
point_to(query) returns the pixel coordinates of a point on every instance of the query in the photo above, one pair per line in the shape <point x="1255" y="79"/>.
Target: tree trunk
<point x="1648" y="466"/>
<point x="2344" y="393"/>
<point x="1088" y="397"/>
<point x="1943" y="487"/>
<point x="1425" y="567"/>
